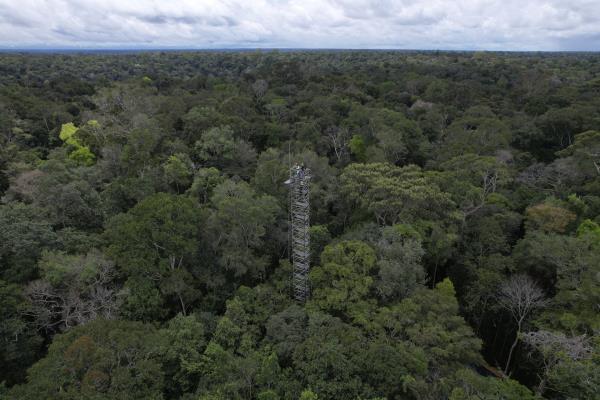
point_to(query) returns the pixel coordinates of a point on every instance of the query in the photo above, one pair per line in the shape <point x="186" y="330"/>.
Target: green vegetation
<point x="455" y="230"/>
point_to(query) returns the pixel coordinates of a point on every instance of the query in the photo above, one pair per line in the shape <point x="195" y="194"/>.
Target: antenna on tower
<point x="299" y="184"/>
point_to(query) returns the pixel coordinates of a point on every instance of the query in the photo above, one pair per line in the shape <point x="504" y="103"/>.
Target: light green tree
<point x="341" y="284"/>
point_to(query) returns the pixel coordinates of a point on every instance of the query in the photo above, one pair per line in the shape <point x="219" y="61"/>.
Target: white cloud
<point x="415" y="24"/>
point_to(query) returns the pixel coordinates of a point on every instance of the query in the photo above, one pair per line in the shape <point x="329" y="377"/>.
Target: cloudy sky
<point x="404" y="24"/>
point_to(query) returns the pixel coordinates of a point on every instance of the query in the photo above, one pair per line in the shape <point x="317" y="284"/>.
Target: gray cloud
<point x="425" y="24"/>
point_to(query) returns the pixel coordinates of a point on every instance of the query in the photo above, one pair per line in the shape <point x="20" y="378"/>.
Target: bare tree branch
<point x="520" y="296"/>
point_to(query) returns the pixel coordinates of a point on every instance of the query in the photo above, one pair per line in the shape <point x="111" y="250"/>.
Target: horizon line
<point x="62" y="49"/>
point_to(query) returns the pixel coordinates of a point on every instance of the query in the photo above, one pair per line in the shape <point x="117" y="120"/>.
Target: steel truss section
<point x="300" y="235"/>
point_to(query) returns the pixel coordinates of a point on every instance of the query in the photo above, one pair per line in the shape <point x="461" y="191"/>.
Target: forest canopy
<point x="455" y="225"/>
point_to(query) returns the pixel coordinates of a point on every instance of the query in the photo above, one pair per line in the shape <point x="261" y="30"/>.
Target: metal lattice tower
<point x="299" y="183"/>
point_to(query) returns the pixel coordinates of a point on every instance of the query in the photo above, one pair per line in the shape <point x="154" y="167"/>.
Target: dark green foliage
<point x="239" y="224"/>
<point x="157" y="241"/>
<point x="144" y="233"/>
<point x="23" y="236"/>
<point x="20" y="343"/>
<point x="400" y="269"/>
<point x="100" y="360"/>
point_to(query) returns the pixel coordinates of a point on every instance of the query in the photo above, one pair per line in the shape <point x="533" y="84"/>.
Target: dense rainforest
<point x="455" y="225"/>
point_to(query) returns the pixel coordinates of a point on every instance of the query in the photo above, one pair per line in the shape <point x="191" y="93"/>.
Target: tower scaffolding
<point x="299" y="183"/>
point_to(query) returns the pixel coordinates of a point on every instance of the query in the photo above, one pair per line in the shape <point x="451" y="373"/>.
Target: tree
<point x="271" y="172"/>
<point x="260" y="87"/>
<point x="392" y="145"/>
<point x="394" y="195"/>
<point x="239" y="224"/>
<point x="399" y="263"/>
<point x="277" y="109"/>
<point x="178" y="171"/>
<point x="554" y="178"/>
<point x="520" y="296"/>
<point x="392" y="367"/>
<point x="558" y="351"/>
<point x="472" y="180"/>
<point x="204" y="183"/>
<point x="400" y="138"/>
<point x="478" y="132"/>
<point x="137" y="157"/>
<point x="589" y="227"/>
<point x="218" y="148"/>
<point x="74" y="204"/>
<point x="328" y="360"/>
<point x="252" y="373"/>
<point x="548" y="218"/>
<point x="142" y="300"/>
<point x="338" y="138"/>
<point x="158" y="240"/>
<point x="341" y="283"/>
<point x="569" y="264"/>
<point x="101" y="360"/>
<point x="319" y="238"/>
<point x="80" y="154"/>
<point x="324" y="185"/>
<point x="560" y="125"/>
<point x="66" y="197"/>
<point x="358" y="148"/>
<point x="308" y="394"/>
<point x="198" y="119"/>
<point x="233" y="363"/>
<point x="586" y="152"/>
<point x="23" y="237"/>
<point x="286" y="330"/>
<point x="472" y="386"/>
<point x="72" y="290"/>
<point x="182" y="344"/>
<point x="19" y="340"/>
<point x="429" y="321"/>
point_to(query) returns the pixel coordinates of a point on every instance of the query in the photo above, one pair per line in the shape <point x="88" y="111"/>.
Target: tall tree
<point x="238" y="227"/>
<point x="100" y="360"/>
<point x="520" y="296"/>
<point x="158" y="240"/>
